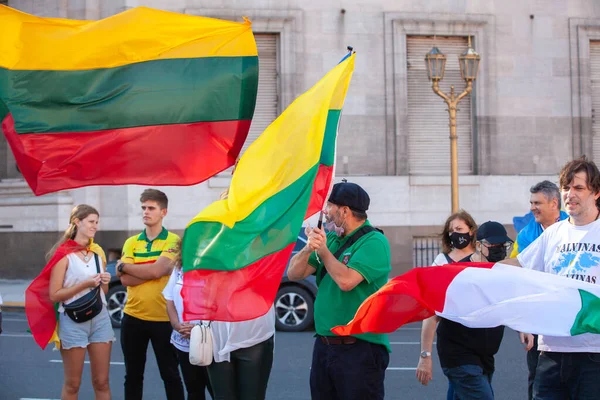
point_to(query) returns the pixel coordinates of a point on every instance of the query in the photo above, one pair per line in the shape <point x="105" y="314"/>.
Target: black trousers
<point x="532" y="361"/>
<point x="135" y="335"/>
<point x="348" y="371"/>
<point x="195" y="377"/>
<point x="246" y="375"/>
<point x="567" y="376"/>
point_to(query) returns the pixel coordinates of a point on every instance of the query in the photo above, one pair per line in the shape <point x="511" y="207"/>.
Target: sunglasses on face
<point x="487" y="244"/>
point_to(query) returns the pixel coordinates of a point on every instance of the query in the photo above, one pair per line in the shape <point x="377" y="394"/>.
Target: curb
<point x="13" y="306"/>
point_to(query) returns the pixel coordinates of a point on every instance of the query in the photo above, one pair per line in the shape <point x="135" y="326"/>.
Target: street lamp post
<point x="469" y="66"/>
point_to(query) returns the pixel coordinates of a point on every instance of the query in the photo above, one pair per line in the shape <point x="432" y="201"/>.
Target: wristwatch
<point x="120" y="268"/>
<point x="425" y="354"/>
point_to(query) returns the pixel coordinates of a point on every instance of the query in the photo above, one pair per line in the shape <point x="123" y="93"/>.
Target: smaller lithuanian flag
<point x="143" y="97"/>
<point x="235" y="250"/>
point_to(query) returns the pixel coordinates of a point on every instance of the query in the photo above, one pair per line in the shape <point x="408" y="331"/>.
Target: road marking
<point x="87" y="362"/>
<point x="408" y="342"/>
<point x="13" y="320"/>
<point x="34" y="398"/>
<point x="19" y="304"/>
<point x="15" y="335"/>
<point x="394" y="368"/>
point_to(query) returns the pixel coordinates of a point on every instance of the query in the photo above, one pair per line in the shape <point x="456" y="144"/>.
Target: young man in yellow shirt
<point x="145" y="267"/>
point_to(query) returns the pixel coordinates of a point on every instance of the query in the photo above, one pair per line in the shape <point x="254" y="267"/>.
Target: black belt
<point x="338" y="339"/>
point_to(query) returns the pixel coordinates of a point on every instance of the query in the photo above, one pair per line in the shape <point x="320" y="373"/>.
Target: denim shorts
<point x="81" y="334"/>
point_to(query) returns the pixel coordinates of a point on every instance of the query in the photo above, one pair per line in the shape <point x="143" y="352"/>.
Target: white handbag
<point x="201" y="345"/>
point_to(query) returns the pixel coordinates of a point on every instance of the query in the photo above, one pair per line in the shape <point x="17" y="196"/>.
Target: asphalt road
<point x="27" y="372"/>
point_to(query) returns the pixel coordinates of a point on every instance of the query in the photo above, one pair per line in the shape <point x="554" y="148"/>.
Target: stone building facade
<point x="532" y="110"/>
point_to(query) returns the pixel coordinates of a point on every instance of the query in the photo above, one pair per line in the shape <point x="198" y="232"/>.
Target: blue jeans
<point x="567" y="376"/>
<point x="470" y="383"/>
<point x="450" y="392"/>
<point x="348" y="371"/>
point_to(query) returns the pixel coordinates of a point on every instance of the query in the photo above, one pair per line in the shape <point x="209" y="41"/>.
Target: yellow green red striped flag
<point x="235" y="250"/>
<point x="145" y="96"/>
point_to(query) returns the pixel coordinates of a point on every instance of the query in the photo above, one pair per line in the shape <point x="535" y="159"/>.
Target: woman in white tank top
<point x="75" y="275"/>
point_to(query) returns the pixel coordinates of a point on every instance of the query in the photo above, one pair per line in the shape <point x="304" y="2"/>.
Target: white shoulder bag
<point x="201" y="345"/>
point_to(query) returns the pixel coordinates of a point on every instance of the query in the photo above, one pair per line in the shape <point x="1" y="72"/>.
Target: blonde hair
<point x="178" y="255"/>
<point x="79" y="212"/>
<point x="224" y="194"/>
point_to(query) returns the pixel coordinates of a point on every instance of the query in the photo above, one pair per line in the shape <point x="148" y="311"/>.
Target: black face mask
<point x="460" y="240"/>
<point x="497" y="253"/>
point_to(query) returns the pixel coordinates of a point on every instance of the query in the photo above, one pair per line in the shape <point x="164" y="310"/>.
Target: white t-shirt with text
<point x="573" y="252"/>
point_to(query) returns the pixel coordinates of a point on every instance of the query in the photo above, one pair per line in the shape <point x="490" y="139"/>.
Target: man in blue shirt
<point x="545" y="207"/>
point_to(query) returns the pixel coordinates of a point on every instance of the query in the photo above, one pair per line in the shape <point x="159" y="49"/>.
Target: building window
<point x="267" y="99"/>
<point x="595" y="78"/>
<point x="425" y="250"/>
<point x="428" y="131"/>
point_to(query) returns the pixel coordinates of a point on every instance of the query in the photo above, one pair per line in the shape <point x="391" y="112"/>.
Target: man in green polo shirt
<point x="351" y="262"/>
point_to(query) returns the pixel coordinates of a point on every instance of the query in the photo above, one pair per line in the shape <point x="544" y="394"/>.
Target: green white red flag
<point x="482" y="295"/>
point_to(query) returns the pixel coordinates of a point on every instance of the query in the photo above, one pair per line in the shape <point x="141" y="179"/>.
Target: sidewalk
<point x="13" y="292"/>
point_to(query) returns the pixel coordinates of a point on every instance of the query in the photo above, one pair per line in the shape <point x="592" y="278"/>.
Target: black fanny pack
<point x="86" y="307"/>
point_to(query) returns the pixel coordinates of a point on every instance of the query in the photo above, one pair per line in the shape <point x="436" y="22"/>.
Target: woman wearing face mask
<point x="457" y="237"/>
<point x="467" y="354"/>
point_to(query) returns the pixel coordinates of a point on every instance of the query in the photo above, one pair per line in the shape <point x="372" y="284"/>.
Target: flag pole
<point x="320" y="222"/>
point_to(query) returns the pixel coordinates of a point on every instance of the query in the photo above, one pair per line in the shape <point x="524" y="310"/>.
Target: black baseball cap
<point x="351" y="195"/>
<point x="493" y="232"/>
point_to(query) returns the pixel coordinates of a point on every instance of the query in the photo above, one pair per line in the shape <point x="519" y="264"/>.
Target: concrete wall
<point x="404" y="207"/>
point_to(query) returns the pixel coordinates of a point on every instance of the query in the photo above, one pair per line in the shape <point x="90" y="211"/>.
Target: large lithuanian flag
<point x="145" y="96"/>
<point x="482" y="295"/>
<point x="235" y="250"/>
